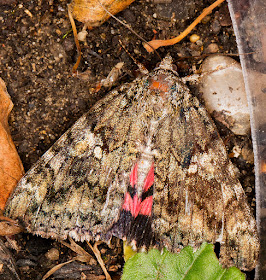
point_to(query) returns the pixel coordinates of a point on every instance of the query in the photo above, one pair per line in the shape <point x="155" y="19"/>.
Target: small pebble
<point x="215" y="26"/>
<point x="248" y="190"/>
<point x="52" y="254"/>
<point x="236" y="151"/>
<point x="212" y="48"/>
<point x="82" y="35"/>
<point x="199" y="43"/>
<point x="224" y="93"/>
<point x="194" y="38"/>
<point x="58" y="32"/>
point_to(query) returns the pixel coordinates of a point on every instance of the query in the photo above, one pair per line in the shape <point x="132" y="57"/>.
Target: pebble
<point x="212" y="48"/>
<point x="215" y="26"/>
<point x="223" y="90"/>
<point x="52" y="254"/>
<point x="194" y="38"/>
<point x="82" y="35"/>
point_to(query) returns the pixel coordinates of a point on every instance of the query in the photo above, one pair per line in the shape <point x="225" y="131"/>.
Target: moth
<point x="147" y="165"/>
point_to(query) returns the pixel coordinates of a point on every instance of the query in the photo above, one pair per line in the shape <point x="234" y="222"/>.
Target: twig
<point x="99" y="259"/>
<point x="56" y="267"/>
<point x="129" y="28"/>
<point x="75" y="67"/>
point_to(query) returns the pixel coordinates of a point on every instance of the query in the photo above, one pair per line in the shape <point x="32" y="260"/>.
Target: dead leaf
<point x="93" y="12"/>
<point x="11" y="168"/>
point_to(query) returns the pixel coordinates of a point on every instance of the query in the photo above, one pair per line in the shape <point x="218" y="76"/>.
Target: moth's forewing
<point x="82" y="187"/>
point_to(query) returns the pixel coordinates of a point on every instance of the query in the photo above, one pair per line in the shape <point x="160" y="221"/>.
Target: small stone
<point x="194" y="38"/>
<point x="215" y="27"/>
<point x="248" y="190"/>
<point x="58" y="32"/>
<point x="199" y="43"/>
<point x="224" y="93"/>
<point x="82" y="35"/>
<point x="236" y="151"/>
<point x="52" y="254"/>
<point x="103" y="251"/>
<point x="212" y="48"/>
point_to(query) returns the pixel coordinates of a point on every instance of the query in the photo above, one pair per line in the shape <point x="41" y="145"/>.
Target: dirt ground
<point x="36" y="57"/>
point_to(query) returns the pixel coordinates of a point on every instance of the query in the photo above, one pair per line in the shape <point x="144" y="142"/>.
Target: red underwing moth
<point x="146" y="165"/>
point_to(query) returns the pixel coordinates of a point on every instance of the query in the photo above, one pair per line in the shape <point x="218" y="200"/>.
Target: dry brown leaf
<point x="11" y="168"/>
<point x="93" y="12"/>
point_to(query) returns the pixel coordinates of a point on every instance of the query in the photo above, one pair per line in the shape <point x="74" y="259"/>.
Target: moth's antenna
<point x="142" y="68"/>
<point x="129" y="28"/>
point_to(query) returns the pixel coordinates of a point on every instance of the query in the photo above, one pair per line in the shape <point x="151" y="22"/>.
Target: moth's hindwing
<point x="147" y="165"/>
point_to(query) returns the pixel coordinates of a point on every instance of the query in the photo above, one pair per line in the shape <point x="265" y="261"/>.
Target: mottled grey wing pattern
<point x="197" y="194"/>
<point x="78" y="187"/>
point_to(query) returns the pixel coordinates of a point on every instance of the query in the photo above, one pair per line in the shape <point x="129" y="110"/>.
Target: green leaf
<point x="187" y="265"/>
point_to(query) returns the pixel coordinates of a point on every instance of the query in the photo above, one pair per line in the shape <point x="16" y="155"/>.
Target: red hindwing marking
<point x="136" y="205"/>
<point x="149" y="179"/>
<point x="146" y="206"/>
<point x="134" y="176"/>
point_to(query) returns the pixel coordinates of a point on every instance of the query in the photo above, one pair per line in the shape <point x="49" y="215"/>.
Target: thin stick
<point x="99" y="259"/>
<point x="142" y="68"/>
<point x="129" y="28"/>
<point x="56" y="267"/>
<point x="155" y="44"/>
<point x="75" y="67"/>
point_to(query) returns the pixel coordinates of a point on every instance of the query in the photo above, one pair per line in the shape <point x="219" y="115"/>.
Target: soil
<point x="37" y="55"/>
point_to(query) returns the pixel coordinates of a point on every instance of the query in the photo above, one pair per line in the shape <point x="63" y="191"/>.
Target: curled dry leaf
<point x="11" y="168"/>
<point x="93" y="12"/>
